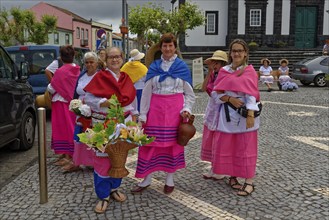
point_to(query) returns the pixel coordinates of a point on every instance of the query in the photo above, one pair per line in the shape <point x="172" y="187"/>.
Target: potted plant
<point x="253" y="46"/>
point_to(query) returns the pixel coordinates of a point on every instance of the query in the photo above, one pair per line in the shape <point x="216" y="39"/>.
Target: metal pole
<point x="123" y="24"/>
<point x="42" y="155"/>
<point x="127" y="23"/>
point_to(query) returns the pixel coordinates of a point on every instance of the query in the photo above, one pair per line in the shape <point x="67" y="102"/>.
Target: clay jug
<point x="186" y="131"/>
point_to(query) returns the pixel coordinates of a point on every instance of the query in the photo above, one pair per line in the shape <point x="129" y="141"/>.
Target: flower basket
<point x="117" y="153"/>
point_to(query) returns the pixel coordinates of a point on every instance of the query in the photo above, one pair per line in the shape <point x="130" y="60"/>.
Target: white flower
<point x="85" y="110"/>
<point x="75" y="103"/>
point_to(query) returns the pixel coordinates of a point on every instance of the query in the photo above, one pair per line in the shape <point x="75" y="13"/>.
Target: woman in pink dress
<point x="166" y="97"/>
<point x="217" y="61"/>
<point x="62" y="119"/>
<point x="236" y="87"/>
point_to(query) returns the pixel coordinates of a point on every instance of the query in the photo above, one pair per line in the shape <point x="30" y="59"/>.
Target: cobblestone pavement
<point x="292" y="180"/>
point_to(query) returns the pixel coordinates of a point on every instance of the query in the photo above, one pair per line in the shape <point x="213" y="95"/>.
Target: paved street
<point x="292" y="180"/>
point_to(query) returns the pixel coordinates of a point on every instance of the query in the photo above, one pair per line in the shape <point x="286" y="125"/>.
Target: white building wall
<point x="197" y="36"/>
<point x="269" y="18"/>
<point x="241" y="17"/>
<point x="285" y="21"/>
<point x="326" y="18"/>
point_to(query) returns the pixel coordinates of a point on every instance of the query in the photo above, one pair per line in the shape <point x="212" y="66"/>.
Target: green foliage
<point x="21" y="26"/>
<point x="151" y="16"/>
<point x="114" y="128"/>
<point x="280" y="44"/>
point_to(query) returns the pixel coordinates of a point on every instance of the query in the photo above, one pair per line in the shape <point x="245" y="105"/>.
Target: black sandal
<point x="234" y="183"/>
<point x="244" y="192"/>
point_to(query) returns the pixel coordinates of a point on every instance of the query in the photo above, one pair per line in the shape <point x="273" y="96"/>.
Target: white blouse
<point x="250" y="101"/>
<point x="168" y="86"/>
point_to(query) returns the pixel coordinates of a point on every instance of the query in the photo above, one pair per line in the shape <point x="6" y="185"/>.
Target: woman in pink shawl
<point x="210" y="120"/>
<point x="236" y="86"/>
<point x="62" y="88"/>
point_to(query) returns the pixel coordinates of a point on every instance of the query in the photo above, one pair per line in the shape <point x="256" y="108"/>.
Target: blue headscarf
<point x="178" y="69"/>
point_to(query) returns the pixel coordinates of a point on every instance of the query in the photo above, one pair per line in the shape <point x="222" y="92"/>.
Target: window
<point x="82" y="33"/>
<point x="78" y="33"/>
<point x="6" y="70"/>
<point x="87" y="33"/>
<point x="67" y="39"/>
<point x="255" y="17"/>
<point x="56" y="38"/>
<point x="211" y="23"/>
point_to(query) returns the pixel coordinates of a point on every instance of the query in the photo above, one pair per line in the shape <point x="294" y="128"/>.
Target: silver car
<point x="312" y="70"/>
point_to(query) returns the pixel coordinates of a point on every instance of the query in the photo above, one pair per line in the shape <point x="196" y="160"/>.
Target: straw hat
<point x="136" y="55"/>
<point x="284" y="60"/>
<point x="43" y="100"/>
<point x="218" y="55"/>
<point x="265" y="59"/>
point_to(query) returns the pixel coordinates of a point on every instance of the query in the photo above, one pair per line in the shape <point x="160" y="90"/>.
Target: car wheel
<point x="27" y="131"/>
<point x="320" y="81"/>
<point x="305" y="83"/>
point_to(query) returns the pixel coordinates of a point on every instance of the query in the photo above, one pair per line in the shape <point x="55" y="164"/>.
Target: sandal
<point x="103" y="204"/>
<point x="234" y="183"/>
<point x="118" y="196"/>
<point x="244" y="192"/>
<point x="70" y="167"/>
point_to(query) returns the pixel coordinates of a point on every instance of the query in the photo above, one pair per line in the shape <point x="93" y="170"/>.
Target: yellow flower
<point x="124" y="133"/>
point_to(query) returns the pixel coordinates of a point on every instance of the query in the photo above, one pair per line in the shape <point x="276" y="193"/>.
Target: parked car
<point x="39" y="57"/>
<point x="17" y="109"/>
<point x="312" y="70"/>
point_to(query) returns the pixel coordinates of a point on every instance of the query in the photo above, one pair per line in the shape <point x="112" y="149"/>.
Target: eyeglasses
<point x="117" y="57"/>
<point x="237" y="51"/>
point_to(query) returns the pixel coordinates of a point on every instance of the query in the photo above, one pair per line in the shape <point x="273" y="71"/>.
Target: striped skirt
<point x="164" y="154"/>
<point x="62" y="124"/>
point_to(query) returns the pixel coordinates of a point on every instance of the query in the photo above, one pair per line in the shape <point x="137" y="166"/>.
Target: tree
<point x="142" y="19"/>
<point x="151" y="16"/>
<point x="21" y="26"/>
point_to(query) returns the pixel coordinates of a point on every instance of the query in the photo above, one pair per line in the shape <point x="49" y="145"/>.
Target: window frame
<point x="56" y="38"/>
<point x="215" y="20"/>
<point x="78" y="33"/>
<point x="253" y="18"/>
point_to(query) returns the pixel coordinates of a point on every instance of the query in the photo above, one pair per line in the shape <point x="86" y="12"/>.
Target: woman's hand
<point x="235" y="101"/>
<point x="250" y="119"/>
<point x="250" y="122"/>
<point x="185" y="114"/>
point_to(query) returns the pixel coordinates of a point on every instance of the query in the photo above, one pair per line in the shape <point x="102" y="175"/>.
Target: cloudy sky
<point x="104" y="11"/>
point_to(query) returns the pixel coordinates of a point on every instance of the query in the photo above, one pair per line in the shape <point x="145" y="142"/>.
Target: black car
<point x="17" y="109"/>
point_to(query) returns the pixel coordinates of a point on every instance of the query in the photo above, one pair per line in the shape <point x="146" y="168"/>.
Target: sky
<point x="104" y="11"/>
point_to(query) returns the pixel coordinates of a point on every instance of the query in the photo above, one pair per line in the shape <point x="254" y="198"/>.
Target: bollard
<point x="42" y="155"/>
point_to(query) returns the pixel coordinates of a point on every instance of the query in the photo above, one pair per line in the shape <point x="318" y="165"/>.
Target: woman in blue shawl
<point x="167" y="95"/>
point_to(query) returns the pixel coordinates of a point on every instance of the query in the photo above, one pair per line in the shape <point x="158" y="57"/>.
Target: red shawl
<point x="247" y="82"/>
<point x="65" y="80"/>
<point x="105" y="85"/>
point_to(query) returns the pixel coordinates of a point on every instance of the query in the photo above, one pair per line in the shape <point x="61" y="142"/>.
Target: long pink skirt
<point x="207" y="144"/>
<point x="164" y="154"/>
<point x="235" y="154"/>
<point x="62" y="124"/>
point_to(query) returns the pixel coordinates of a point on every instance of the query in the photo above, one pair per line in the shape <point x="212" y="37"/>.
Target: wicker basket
<point x="117" y="154"/>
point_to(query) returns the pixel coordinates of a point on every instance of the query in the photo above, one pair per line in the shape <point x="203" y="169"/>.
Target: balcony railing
<point x="84" y="42"/>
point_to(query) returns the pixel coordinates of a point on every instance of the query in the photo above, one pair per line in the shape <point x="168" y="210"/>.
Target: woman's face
<point x="215" y="65"/>
<point x="238" y="54"/>
<point x="91" y="65"/>
<point x="102" y="55"/>
<point x="114" y="60"/>
<point x="168" y="50"/>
